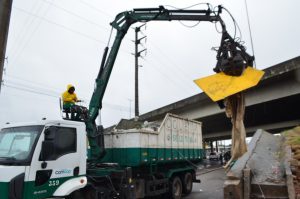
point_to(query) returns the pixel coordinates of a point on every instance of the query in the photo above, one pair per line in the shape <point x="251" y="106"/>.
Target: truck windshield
<point x="16" y="143"/>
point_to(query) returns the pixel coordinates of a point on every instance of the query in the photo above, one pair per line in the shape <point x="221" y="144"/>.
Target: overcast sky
<point x="56" y="42"/>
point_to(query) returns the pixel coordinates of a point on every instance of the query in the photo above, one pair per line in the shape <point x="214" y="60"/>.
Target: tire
<point x="75" y="195"/>
<point x="187" y="183"/>
<point x="86" y="193"/>
<point x="176" y="188"/>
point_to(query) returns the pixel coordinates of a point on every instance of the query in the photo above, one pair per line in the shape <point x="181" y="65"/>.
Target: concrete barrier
<point x="261" y="172"/>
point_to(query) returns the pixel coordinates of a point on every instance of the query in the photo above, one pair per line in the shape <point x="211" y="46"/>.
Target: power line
<point x="66" y="28"/>
<point x="30" y="36"/>
<point x="94" y="8"/>
<point x="171" y="61"/>
<point x="54" y="95"/>
<point x="41" y="85"/>
<point x="28" y="90"/>
<point x="171" y="80"/>
<point x="182" y="78"/>
<point x="249" y="27"/>
<point x="62" y="26"/>
<point x="76" y="15"/>
<point x="102" y="12"/>
<point x="82" y="18"/>
<point x="59" y="25"/>
<point x="24" y="28"/>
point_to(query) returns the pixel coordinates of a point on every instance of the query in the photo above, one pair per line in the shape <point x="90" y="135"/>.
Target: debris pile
<point x="292" y="138"/>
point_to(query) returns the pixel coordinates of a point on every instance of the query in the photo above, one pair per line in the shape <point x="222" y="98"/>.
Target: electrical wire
<point x="158" y="69"/>
<point x="36" y="84"/>
<point x="76" y="15"/>
<point x="249" y="27"/>
<point x="33" y="88"/>
<point x="174" y="64"/>
<point x="217" y="28"/>
<point x="95" y="24"/>
<point x="236" y="26"/>
<point x="22" y="32"/>
<point x="96" y="9"/>
<point x="172" y="78"/>
<point x="66" y="28"/>
<point x="190" y="26"/>
<point x="59" y="25"/>
<point x="25" y="35"/>
<point x="27" y="90"/>
<point x="85" y="19"/>
<point x="210" y="7"/>
<point x="53" y="94"/>
<point x="194" y="5"/>
<point x="30" y="37"/>
<point x="86" y="35"/>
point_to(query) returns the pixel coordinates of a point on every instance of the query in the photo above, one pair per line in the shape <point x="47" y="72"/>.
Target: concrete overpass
<point x="273" y="105"/>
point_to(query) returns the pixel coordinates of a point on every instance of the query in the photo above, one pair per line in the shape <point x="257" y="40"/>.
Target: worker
<point x="69" y="98"/>
<point x="221" y="158"/>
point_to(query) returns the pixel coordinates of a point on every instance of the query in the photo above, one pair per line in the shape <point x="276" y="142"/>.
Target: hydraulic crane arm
<point x="122" y="23"/>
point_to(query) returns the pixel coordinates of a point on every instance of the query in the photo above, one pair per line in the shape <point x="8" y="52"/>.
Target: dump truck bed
<point x="174" y="139"/>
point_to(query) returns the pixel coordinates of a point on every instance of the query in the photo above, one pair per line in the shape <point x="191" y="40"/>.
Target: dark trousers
<point x="78" y="113"/>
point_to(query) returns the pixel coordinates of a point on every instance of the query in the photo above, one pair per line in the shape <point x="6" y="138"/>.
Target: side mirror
<point x="47" y="150"/>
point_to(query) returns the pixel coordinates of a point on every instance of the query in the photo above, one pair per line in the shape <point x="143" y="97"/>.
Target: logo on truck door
<point x="62" y="173"/>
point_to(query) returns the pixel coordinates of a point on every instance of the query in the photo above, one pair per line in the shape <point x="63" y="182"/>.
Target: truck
<point x="150" y="154"/>
<point x="46" y="159"/>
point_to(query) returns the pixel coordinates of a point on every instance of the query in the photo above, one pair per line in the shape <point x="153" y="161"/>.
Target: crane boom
<point x="122" y="23"/>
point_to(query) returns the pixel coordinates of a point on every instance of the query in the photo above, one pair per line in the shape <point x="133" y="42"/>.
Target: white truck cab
<point x="42" y="159"/>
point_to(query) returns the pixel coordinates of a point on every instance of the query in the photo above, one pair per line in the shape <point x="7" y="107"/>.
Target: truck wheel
<point x="176" y="188"/>
<point x="87" y="193"/>
<point x="187" y="183"/>
<point x="75" y="195"/>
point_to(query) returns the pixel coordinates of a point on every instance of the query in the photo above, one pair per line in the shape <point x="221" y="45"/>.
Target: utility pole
<point x="5" y="11"/>
<point x="137" y="54"/>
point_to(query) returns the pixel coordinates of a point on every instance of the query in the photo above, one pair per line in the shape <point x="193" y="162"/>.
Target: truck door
<point x="56" y="160"/>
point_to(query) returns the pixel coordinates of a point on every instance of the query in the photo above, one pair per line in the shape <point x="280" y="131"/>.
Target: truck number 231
<point x="53" y="183"/>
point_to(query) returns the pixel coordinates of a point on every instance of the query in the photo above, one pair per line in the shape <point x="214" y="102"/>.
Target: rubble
<point x="292" y="141"/>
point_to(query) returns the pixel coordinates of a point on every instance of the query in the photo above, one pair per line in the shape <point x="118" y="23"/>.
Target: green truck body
<point x="173" y="140"/>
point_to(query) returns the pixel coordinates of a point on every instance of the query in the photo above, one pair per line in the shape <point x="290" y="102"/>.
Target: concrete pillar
<point x="217" y="148"/>
<point x="211" y="146"/>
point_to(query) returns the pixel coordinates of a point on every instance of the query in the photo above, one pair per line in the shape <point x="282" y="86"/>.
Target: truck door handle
<point x="44" y="165"/>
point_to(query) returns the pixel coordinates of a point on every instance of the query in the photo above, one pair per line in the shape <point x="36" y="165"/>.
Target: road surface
<point x="212" y="178"/>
